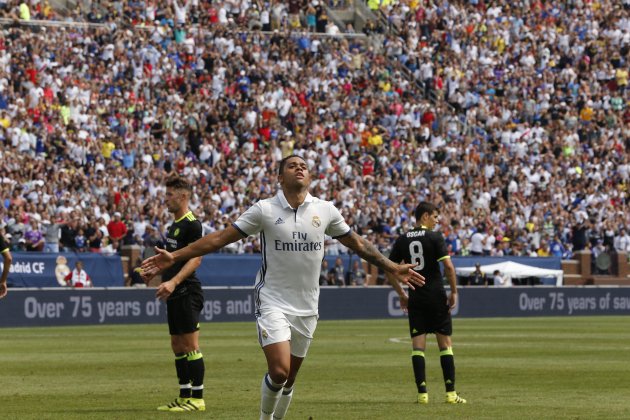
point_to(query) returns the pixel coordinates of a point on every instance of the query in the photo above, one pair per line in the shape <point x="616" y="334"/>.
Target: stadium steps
<point x="65" y="7"/>
<point x="355" y="12"/>
<point x="595" y="280"/>
<point x="362" y="13"/>
<point x="578" y="272"/>
<point x="572" y="280"/>
<point x="570" y="267"/>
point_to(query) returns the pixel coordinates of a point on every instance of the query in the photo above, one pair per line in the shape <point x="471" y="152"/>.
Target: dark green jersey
<point x="425" y="248"/>
<point x="182" y="232"/>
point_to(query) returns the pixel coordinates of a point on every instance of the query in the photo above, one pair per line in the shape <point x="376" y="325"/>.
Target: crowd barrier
<point x="55" y="307"/>
<point x="40" y="269"/>
<point x="30" y="269"/>
<point x="241" y="270"/>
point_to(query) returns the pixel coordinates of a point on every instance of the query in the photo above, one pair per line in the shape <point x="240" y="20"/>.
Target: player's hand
<point x="157" y="263"/>
<point x="407" y="275"/>
<point x="404" y="302"/>
<point x="3" y="290"/>
<point x="146" y="278"/>
<point x="452" y="301"/>
<point x="165" y="289"/>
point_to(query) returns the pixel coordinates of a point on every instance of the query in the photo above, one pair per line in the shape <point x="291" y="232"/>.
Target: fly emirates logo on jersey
<point x="300" y="243"/>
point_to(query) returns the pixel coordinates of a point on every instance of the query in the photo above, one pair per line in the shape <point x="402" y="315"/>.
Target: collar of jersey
<point x="424" y="227"/>
<point x="285" y="203"/>
<point x="184" y="216"/>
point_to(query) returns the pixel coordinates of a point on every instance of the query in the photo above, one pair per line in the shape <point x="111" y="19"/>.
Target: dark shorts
<point x="430" y="315"/>
<point x="183" y="310"/>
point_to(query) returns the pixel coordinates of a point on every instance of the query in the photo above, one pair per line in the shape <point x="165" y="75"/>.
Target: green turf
<point x="533" y="368"/>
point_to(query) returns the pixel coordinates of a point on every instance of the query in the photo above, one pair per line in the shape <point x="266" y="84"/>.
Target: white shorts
<point x="276" y="327"/>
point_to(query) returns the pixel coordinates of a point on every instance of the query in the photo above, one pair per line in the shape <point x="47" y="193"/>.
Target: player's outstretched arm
<point x="403" y="273"/>
<point x="207" y="244"/>
<point x="156" y="264"/>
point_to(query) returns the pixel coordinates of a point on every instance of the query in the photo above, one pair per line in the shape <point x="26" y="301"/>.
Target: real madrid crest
<point x="264" y="334"/>
<point x="316" y="221"/>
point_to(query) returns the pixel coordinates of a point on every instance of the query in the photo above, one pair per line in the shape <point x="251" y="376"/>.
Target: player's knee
<point x="279" y="374"/>
<point x="180" y="344"/>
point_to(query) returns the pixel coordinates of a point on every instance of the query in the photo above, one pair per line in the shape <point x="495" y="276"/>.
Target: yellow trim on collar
<point x="184" y="216"/>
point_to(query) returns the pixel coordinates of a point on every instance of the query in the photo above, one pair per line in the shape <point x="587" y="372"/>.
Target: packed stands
<point x="513" y="120"/>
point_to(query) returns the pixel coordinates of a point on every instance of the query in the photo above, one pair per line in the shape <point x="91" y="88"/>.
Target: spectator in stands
<point x="22" y="11"/>
<point x="501" y="280"/>
<point x="477" y="241"/>
<point x="52" y="233"/>
<point x="528" y="111"/>
<point x="622" y="241"/>
<point x="78" y="277"/>
<point x="478" y="277"/>
<point x="107" y="247"/>
<point x="544" y="250"/>
<point x="489" y="243"/>
<point x="117" y="229"/>
<point x="324" y="273"/>
<point x="34" y="239"/>
<point x="357" y="275"/>
<point x="151" y="239"/>
<point x="556" y="247"/>
<point x="68" y="233"/>
<point x="94" y="235"/>
<point x="338" y="273"/>
<point x="20" y="246"/>
<point x="579" y="239"/>
<point x="80" y="241"/>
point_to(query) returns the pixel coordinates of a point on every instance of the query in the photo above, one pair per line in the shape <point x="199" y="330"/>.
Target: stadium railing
<point x="53" y="23"/>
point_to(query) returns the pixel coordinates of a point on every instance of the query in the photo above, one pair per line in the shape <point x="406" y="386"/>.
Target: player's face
<point x="295" y="173"/>
<point x="432" y="220"/>
<point x="175" y="199"/>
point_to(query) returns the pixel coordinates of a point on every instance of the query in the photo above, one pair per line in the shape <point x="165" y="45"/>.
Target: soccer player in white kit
<point x="292" y="226"/>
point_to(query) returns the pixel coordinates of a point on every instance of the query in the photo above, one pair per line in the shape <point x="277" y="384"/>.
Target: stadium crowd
<point x="514" y="120"/>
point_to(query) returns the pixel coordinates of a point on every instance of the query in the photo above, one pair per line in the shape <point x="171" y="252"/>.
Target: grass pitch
<point x="534" y="368"/>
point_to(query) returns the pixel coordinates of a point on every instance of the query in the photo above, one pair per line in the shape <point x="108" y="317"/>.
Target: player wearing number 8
<point x="429" y="307"/>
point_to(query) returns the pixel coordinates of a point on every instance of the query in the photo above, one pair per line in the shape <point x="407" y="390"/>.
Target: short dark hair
<point x="424" y="207"/>
<point x="283" y="162"/>
<point x="178" y="183"/>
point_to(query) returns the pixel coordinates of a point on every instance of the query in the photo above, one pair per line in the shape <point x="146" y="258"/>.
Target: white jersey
<point x="292" y="243"/>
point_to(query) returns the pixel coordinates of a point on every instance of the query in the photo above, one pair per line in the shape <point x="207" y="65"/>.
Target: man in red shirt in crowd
<point x="117" y="228"/>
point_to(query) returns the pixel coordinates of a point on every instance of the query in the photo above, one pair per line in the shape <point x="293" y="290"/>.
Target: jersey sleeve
<point x="440" y="246"/>
<point x="337" y="227"/>
<point x="196" y="231"/>
<point x="250" y="222"/>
